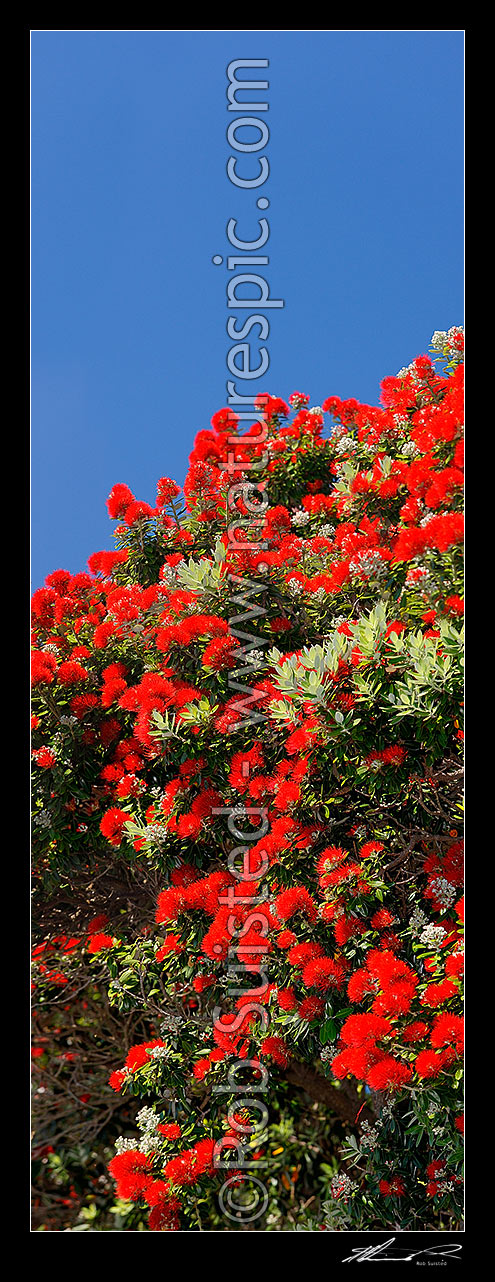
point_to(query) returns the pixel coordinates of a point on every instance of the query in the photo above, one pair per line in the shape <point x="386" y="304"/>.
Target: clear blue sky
<point x="130" y="201"/>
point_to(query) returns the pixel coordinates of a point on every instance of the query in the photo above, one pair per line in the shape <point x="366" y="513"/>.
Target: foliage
<point x="247" y="763"/>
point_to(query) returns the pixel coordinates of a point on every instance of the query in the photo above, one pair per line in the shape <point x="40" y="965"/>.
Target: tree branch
<point x="345" y="1103"/>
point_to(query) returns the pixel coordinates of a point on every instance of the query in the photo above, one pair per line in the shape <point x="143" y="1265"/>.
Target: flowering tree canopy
<point x="247" y="764"/>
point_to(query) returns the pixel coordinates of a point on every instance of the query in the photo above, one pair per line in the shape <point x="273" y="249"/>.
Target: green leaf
<point x="328" y="1031"/>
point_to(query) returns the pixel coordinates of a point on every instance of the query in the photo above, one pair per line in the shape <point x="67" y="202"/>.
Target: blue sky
<point x="130" y="202"/>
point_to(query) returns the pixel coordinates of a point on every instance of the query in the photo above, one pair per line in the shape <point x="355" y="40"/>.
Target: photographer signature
<point x="446" y="1250"/>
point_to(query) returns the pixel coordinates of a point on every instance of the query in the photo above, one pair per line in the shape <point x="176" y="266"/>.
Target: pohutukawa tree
<point x="247" y="755"/>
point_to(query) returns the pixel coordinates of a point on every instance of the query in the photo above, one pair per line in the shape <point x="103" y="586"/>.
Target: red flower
<point x="323" y="973"/>
<point x="428" y="1064"/>
<point x="165" y="1215"/>
<point x="392" y="1188"/>
<point x="166" y="490"/>
<point x="287" y="999"/>
<point x="171" y="944"/>
<point x="96" y="923"/>
<point x="448" y="1030"/>
<point x="435" y="994"/>
<point x="117" y="1079"/>
<point x="44" y="757"/>
<point x="311" y="1008"/>
<point x="131" y="1171"/>
<point x="276" y="1049"/>
<point x="381" y="919"/>
<point x="118" y="501"/>
<point x="389" y="1074"/>
<point x="295" y="900"/>
<point x="71" y="672"/>
<point x="112" y="825"/>
<point x="99" y="942"/>
<point x="170" y="1130"/>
